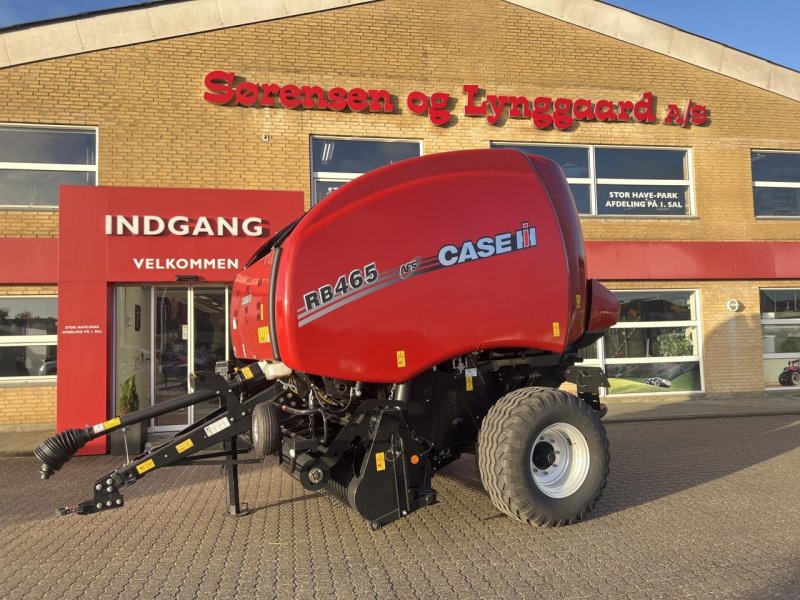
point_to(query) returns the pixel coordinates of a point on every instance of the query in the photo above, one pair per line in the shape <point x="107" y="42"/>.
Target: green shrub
<point x="675" y="344"/>
<point x="128" y="399"/>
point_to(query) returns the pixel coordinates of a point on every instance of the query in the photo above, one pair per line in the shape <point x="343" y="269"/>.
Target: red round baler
<point x="427" y="309"/>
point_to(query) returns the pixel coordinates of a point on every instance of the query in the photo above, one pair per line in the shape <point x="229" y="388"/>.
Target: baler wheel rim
<point x="567" y="462"/>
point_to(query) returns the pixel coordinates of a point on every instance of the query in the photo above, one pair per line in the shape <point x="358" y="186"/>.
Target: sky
<point x="765" y="28"/>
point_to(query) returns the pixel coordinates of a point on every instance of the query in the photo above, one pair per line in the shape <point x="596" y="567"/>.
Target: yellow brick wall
<point x="155" y="129"/>
<point x="27" y="406"/>
<point x="34" y="403"/>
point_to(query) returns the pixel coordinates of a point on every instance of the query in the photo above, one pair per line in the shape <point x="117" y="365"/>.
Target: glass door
<point x="208" y="337"/>
<point x="171" y="352"/>
<point x="164" y="334"/>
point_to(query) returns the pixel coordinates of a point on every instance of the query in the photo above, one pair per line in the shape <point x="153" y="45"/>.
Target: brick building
<point x="682" y="154"/>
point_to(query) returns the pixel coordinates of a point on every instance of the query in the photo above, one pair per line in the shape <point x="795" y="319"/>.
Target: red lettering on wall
<point x="583" y="110"/>
<point x="542" y="119"/>
<point x="562" y="119"/>
<point x="224" y="88"/>
<point x="337" y="99"/>
<point x="357" y="100"/>
<point x="673" y="115"/>
<point x="625" y="109"/>
<point x="247" y="94"/>
<point x="290" y="96"/>
<point x="698" y="114"/>
<point x="604" y="109"/>
<point x="643" y="109"/>
<point x="219" y="87"/>
<point x="313" y="97"/>
<point x="471" y="109"/>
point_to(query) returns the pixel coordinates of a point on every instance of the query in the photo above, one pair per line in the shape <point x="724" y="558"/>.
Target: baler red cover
<point x="418" y="262"/>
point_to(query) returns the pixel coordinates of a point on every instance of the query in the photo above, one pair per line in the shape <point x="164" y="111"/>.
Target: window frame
<point x="602" y="361"/>
<point x="29" y="340"/>
<point x="342" y="176"/>
<point x="777" y="321"/>
<point x="789" y="185"/>
<point x="593" y="181"/>
<point x="26" y="166"/>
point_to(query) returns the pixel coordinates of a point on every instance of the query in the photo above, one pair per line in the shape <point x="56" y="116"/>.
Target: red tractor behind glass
<point x="791" y="373"/>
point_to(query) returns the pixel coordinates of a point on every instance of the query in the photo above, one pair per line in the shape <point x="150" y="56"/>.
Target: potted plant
<point x="127" y="403"/>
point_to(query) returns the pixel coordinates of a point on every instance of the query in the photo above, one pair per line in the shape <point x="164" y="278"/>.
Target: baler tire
<point x="265" y="431"/>
<point x="783" y="378"/>
<point x="509" y="442"/>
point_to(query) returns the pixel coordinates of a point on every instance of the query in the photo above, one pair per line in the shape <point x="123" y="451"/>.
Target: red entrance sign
<point x="113" y="235"/>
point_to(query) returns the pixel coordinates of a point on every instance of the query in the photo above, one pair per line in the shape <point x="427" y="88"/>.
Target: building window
<point x="35" y="161"/>
<point x="28" y="328"/>
<point x="655" y="345"/>
<point x="776" y="183"/>
<point x="335" y="161"/>
<point x="780" y="336"/>
<point x="618" y="181"/>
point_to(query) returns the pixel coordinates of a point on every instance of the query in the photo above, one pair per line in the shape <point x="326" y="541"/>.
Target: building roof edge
<point x="126" y="26"/>
<point x="670" y="41"/>
<point x="156" y="21"/>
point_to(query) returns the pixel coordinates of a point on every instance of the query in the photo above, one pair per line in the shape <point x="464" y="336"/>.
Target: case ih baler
<point x="426" y="309"/>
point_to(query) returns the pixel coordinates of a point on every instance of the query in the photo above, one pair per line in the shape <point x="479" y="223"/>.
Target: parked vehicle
<point x="791" y="373"/>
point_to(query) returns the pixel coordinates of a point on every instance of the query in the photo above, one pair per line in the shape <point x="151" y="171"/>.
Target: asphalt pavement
<point x="694" y="508"/>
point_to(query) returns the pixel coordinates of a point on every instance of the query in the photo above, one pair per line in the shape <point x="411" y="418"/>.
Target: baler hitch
<point x="224" y="425"/>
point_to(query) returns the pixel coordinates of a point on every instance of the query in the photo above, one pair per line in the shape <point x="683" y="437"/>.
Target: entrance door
<point x="163" y="335"/>
<point x="171" y="353"/>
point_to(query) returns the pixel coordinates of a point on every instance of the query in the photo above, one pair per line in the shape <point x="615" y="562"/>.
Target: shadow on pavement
<point x="654" y="459"/>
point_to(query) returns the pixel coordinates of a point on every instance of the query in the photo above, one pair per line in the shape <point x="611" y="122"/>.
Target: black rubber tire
<point x="266" y="429"/>
<point x="783" y="378"/>
<point x="505" y="442"/>
<point x="795" y="377"/>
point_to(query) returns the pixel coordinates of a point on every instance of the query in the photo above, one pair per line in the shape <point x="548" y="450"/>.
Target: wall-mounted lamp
<point x="188" y="278"/>
<point x="733" y="305"/>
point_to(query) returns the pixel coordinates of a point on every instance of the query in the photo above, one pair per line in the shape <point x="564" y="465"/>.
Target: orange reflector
<point x="414" y="459"/>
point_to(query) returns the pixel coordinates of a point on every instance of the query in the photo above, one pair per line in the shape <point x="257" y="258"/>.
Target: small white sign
<point x="216" y="426"/>
<point x="184" y="332"/>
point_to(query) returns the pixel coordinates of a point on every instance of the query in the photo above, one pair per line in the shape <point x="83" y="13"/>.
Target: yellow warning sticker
<point x="401" y="358"/>
<point x="184" y="446"/>
<point x="248" y="374"/>
<point x="111" y="423"/>
<point x="556" y="329"/>
<point x="380" y="461"/>
<point x="146" y="466"/>
<point x="578" y="300"/>
<point x="263" y="335"/>
<point x="470" y="385"/>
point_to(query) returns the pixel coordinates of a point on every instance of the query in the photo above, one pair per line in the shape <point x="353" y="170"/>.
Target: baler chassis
<point x="378" y="457"/>
<point x="397" y="485"/>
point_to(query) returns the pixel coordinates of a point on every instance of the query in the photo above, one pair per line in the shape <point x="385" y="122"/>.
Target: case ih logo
<point x="485" y="247"/>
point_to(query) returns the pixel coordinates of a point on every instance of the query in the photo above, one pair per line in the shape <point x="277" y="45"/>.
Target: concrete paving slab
<point x="703" y="508"/>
